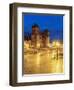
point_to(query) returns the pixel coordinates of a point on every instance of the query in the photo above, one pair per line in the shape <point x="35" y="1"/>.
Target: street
<point x="42" y="62"/>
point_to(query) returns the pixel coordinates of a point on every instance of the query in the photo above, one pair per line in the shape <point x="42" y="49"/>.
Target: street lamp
<point x="57" y="47"/>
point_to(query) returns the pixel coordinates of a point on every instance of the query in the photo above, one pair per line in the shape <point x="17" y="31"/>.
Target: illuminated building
<point x="39" y="39"/>
<point x="35" y="38"/>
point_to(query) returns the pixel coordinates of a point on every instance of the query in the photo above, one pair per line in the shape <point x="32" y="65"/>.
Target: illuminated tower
<point x="35" y="38"/>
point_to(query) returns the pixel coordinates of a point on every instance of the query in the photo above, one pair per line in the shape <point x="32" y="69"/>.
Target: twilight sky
<point x="54" y="24"/>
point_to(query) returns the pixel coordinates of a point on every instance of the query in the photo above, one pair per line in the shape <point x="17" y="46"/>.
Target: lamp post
<point x="57" y="47"/>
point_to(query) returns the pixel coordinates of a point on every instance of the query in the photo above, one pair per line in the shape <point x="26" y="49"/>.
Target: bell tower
<point x="35" y="36"/>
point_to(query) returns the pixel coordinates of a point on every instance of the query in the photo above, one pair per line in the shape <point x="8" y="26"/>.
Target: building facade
<point x="39" y="39"/>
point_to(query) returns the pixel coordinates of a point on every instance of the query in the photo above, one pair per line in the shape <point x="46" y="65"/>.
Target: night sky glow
<point x="54" y="24"/>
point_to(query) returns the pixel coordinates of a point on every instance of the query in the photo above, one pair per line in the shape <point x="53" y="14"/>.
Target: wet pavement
<point x="43" y="62"/>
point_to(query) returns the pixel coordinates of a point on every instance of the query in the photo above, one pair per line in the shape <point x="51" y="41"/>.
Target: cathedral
<point x="39" y="39"/>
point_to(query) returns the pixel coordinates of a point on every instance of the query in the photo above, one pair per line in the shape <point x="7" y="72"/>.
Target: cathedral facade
<point x="39" y="39"/>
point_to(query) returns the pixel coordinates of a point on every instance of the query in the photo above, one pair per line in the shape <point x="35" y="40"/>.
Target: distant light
<point x="56" y="44"/>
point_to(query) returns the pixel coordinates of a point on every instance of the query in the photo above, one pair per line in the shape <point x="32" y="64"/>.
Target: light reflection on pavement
<point x="42" y="63"/>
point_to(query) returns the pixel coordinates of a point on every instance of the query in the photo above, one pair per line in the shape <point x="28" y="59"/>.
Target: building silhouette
<point x="35" y="38"/>
<point x="39" y="39"/>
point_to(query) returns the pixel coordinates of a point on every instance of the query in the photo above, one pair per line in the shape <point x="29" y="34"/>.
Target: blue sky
<point x="54" y="23"/>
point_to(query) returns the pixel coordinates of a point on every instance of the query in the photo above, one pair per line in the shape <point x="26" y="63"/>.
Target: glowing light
<point x="56" y="44"/>
<point x="53" y="55"/>
<point x="38" y="45"/>
<point x="26" y="45"/>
